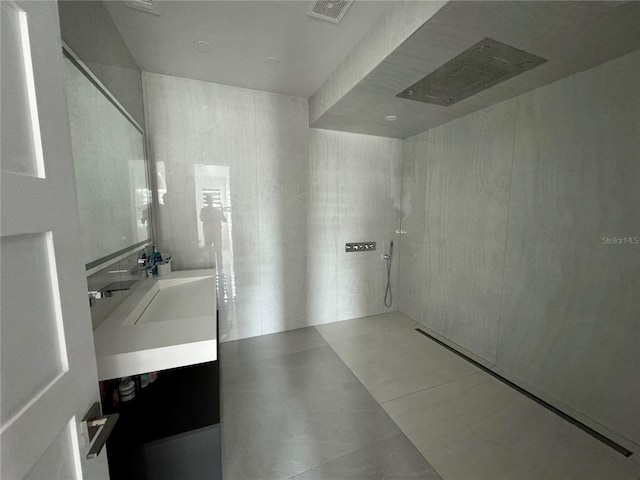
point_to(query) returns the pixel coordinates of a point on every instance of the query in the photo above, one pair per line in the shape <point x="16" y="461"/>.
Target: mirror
<point x="110" y="169"/>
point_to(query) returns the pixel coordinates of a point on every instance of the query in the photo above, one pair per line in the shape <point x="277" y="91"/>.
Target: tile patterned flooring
<point x="371" y="398"/>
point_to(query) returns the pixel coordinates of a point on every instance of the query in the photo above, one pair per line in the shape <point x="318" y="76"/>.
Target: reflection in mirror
<point x="200" y="235"/>
<point x="110" y="170"/>
<point x="215" y="241"/>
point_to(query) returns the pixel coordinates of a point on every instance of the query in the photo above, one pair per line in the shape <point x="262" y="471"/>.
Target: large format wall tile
<point x="561" y="165"/>
<point x="203" y="135"/>
<point x="467" y="165"/>
<point x="368" y="210"/>
<point x="194" y="126"/>
<point x="412" y="240"/>
<point x="571" y="310"/>
<point x="291" y="196"/>
<point x="283" y="191"/>
<point x="322" y="228"/>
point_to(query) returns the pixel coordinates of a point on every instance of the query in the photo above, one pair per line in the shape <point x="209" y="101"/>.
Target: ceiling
<point x="242" y="35"/>
<point x="573" y="36"/>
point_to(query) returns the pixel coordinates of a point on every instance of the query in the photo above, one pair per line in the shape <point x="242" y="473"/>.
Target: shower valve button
<point x="360" y="247"/>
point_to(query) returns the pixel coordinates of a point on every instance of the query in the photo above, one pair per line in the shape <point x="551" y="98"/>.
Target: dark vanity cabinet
<point x="170" y="429"/>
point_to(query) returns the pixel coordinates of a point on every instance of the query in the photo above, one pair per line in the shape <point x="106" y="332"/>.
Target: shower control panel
<point x="360" y="247"/>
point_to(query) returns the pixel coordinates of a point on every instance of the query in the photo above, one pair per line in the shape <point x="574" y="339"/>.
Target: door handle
<point x="94" y="423"/>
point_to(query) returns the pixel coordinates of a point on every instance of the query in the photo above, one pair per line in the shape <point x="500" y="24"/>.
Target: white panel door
<point x="48" y="370"/>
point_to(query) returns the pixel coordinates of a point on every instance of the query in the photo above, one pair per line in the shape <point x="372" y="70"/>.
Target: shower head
<point x="387" y="256"/>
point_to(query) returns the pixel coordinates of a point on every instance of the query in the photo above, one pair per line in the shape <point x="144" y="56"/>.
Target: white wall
<point x="505" y="212"/>
<point x="295" y="196"/>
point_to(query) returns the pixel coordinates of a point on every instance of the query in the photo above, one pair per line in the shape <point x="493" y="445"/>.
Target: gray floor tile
<point x="287" y="413"/>
<point x="478" y="428"/>
<point x="280" y="444"/>
<point x="395" y="363"/>
<point x="312" y="380"/>
<point x="292" y="409"/>
<point x="365" y="326"/>
<point x="256" y="349"/>
<point x="393" y="458"/>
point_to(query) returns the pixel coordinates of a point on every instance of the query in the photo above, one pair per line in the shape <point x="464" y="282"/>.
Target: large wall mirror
<point x="110" y="169"/>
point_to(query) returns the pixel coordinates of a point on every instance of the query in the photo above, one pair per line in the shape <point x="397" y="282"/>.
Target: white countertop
<point x="166" y="322"/>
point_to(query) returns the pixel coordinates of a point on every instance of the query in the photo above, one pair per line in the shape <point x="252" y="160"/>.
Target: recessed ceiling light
<point x="390" y="118"/>
<point x="271" y="61"/>
<point x="202" y="46"/>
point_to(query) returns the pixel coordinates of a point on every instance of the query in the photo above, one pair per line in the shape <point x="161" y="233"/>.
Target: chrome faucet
<point x="142" y="266"/>
<point x="96" y="294"/>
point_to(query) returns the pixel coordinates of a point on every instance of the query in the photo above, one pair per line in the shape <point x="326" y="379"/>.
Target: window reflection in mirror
<point x="195" y="221"/>
<point x="215" y="241"/>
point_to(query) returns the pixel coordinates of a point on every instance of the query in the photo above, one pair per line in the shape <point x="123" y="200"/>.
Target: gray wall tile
<point x="571" y="308"/>
<point x="295" y="196"/>
<point x="561" y="165"/>
<point x="457" y="182"/>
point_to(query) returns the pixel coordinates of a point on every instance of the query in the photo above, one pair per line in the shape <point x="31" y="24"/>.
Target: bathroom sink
<point x="166" y="322"/>
<point x="174" y="299"/>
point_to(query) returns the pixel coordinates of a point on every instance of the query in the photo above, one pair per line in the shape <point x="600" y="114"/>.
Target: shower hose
<point x="388" y="299"/>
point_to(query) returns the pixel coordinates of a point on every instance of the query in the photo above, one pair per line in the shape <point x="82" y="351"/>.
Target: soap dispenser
<point x="155" y="259"/>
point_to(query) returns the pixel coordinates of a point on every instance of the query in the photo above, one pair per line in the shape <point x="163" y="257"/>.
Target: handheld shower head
<point x="387" y="256"/>
<point x="388" y="301"/>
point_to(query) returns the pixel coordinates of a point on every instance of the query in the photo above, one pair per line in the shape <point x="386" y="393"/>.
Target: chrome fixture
<point x="94" y="423"/>
<point x="107" y="291"/>
<point x="360" y="247"/>
<point x="143" y="265"/>
<point x="483" y="65"/>
<point x="388" y="299"/>
<point x="96" y="294"/>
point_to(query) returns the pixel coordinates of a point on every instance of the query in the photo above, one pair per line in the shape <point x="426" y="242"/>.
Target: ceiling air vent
<point x="484" y="65"/>
<point x="331" y="11"/>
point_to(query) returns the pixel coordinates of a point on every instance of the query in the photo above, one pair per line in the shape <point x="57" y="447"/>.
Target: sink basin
<point x="174" y="299"/>
<point x="166" y="322"/>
